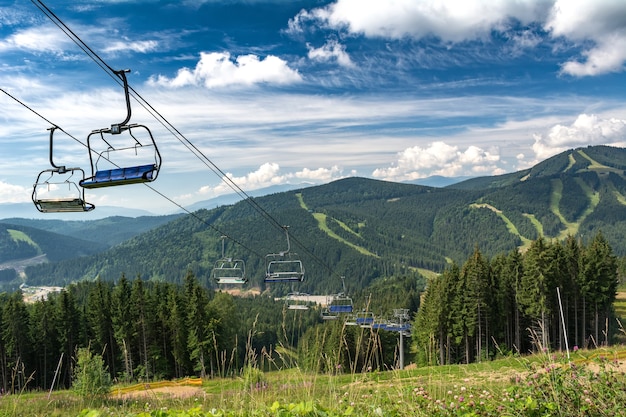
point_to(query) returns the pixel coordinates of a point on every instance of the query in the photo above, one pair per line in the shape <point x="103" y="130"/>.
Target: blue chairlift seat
<point x="120" y="176"/>
<point x="340" y="308"/>
<point x="365" y="320"/>
<point x="340" y="304"/>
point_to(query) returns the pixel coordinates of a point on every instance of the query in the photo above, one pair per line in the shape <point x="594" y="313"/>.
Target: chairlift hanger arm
<point x="62" y="167"/>
<point x="121" y="74"/>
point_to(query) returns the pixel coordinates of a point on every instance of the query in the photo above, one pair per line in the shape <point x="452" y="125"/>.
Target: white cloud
<point x="132" y="46"/>
<point x="449" y="20"/>
<point x="332" y="50"/>
<point x="38" y="39"/>
<point x="320" y="174"/>
<point x="216" y="69"/>
<point x="10" y="193"/>
<point x="603" y="22"/>
<point x="600" y="23"/>
<point x="269" y="174"/>
<point x="439" y="158"/>
<point x="586" y="130"/>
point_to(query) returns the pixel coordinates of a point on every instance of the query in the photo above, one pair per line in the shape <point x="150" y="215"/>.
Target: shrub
<point x="90" y="377"/>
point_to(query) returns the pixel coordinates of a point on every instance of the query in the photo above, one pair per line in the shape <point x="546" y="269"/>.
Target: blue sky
<point x="288" y="91"/>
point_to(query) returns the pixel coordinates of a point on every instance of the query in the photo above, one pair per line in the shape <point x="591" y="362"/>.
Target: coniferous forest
<point x="556" y="295"/>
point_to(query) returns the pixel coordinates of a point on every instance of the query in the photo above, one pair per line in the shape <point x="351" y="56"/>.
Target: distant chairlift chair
<point x="284" y="266"/>
<point x="229" y="270"/>
<point x="340" y="303"/>
<point x="54" y="190"/>
<point x="118" y="150"/>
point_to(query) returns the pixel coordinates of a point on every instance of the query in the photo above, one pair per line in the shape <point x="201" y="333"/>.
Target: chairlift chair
<point x="124" y="153"/>
<point x="328" y="315"/>
<point x="55" y="191"/>
<point x="365" y="319"/>
<point x="284" y="266"/>
<point x="229" y="270"/>
<point x="341" y="303"/>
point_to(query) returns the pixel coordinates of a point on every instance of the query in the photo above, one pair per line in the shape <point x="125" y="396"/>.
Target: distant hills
<point x="28" y="211"/>
<point x="360" y="228"/>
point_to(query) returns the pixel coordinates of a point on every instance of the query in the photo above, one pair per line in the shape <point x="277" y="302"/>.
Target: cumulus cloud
<point x="269" y="174"/>
<point x="10" y="193"/>
<point x="216" y="69"/>
<point x="602" y="22"/>
<point x="331" y="51"/>
<point x="439" y="158"/>
<point x="586" y="130"/>
<point x="598" y="26"/>
<point x="449" y="20"/>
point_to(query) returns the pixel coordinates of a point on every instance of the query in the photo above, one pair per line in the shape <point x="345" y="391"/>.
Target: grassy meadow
<point x="588" y="383"/>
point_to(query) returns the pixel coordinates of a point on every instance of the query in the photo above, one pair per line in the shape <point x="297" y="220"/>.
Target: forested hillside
<point x="108" y="231"/>
<point x="21" y="242"/>
<point x="367" y="229"/>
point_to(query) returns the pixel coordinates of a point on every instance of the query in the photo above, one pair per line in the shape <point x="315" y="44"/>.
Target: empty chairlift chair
<point x="55" y="190"/>
<point x="284" y="266"/>
<point x="122" y="154"/>
<point x="228" y="270"/>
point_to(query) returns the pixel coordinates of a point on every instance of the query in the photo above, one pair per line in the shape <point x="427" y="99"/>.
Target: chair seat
<point x="120" y="176"/>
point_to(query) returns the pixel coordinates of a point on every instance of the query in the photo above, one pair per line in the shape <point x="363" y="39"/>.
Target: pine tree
<point x="533" y="294"/>
<point x="599" y="275"/>
<point x="68" y="319"/>
<point x="121" y="317"/>
<point x="98" y="314"/>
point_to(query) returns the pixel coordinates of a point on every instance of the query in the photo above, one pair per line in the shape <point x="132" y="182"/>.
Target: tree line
<point x="153" y="330"/>
<point x="556" y="295"/>
<point x="144" y="330"/>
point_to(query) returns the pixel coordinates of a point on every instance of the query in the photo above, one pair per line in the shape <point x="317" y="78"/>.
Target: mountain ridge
<point x="337" y="227"/>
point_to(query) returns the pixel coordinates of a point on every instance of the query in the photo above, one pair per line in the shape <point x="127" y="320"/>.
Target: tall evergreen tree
<point x="473" y="289"/>
<point x="16" y="341"/>
<point x="45" y="337"/>
<point x="122" y="319"/>
<point x="533" y="294"/>
<point x="68" y="319"/>
<point x="99" y="318"/>
<point x="599" y="275"/>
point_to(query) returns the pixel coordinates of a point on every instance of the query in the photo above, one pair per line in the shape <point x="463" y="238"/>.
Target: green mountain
<point x="366" y="229"/>
<point x="19" y="242"/>
<point x="108" y="231"/>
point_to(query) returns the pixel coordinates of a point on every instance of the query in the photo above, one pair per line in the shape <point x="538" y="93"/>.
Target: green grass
<point x="590" y="383"/>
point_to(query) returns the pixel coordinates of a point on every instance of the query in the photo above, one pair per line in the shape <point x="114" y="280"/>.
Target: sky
<point x="277" y="92"/>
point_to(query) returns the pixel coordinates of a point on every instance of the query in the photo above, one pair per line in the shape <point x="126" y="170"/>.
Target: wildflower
<point x="575" y="348"/>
